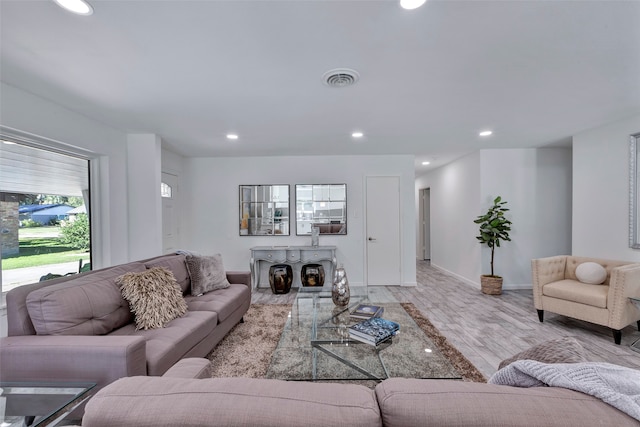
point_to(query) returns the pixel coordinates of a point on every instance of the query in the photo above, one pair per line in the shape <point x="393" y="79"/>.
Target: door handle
<point x="371" y="239"/>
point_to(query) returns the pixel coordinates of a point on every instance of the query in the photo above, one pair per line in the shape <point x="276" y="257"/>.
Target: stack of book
<point x="373" y="331"/>
<point x="367" y="311"/>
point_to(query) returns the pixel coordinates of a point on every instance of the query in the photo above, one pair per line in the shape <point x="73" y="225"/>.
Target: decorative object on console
<point x="263" y="257"/>
<point x="340" y="293"/>
<point x="154" y="297"/>
<point x="280" y="278"/>
<point x="494" y="227"/>
<point x="591" y="273"/>
<point x="312" y="275"/>
<point x="207" y="273"/>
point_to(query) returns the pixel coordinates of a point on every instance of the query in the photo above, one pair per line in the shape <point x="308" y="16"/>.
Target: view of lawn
<point x="42" y="246"/>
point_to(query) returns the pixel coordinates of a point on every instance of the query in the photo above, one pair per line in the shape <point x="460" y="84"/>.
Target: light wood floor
<point x="488" y="329"/>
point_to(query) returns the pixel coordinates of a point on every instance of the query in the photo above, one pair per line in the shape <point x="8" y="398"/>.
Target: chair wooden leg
<point x="639" y="325"/>
<point x="242" y="319"/>
<point x="541" y="315"/>
<point x="617" y="336"/>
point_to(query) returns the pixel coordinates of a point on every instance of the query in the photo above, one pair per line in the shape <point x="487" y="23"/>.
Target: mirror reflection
<point x="264" y="210"/>
<point x="323" y="206"/>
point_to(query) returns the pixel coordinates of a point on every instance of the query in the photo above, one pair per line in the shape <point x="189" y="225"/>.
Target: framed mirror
<point x="323" y="206"/>
<point x="634" y="191"/>
<point x="264" y="210"/>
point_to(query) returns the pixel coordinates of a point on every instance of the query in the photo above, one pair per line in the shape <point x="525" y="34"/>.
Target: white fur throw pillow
<point x="591" y="273"/>
<point x="154" y="297"/>
<point x="207" y="273"/>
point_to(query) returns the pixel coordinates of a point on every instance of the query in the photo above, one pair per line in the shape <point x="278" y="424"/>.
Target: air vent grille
<point x="340" y="77"/>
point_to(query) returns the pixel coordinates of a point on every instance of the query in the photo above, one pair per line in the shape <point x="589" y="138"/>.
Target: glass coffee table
<point x="27" y="404"/>
<point x="315" y="344"/>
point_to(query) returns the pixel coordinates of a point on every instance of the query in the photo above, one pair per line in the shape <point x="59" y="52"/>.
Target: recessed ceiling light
<point x="485" y="133"/>
<point x="79" y="7"/>
<point x="411" y="4"/>
<point x="8" y="142"/>
<point x="426" y="163"/>
<point x="232" y="136"/>
<point x="357" y="134"/>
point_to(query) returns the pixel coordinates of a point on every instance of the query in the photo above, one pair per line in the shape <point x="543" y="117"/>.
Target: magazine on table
<point x="374" y="331"/>
<point x="367" y="311"/>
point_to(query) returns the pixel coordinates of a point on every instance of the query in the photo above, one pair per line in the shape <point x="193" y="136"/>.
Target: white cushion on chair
<point x="591" y="273"/>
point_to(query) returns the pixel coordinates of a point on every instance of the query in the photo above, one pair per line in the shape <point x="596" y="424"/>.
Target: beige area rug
<point x="467" y="371"/>
<point x="247" y="349"/>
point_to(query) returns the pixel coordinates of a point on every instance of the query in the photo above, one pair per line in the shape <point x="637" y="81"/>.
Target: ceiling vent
<point x="340" y="77"/>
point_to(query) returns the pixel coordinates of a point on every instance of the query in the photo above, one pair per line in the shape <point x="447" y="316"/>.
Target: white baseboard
<point x="476" y="285"/>
<point x="457" y="276"/>
<point x="517" y="286"/>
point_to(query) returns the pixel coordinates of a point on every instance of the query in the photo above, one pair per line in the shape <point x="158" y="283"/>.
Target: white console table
<point x="262" y="257"/>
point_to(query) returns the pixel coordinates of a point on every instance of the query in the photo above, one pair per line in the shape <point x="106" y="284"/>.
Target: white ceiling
<point x="536" y="72"/>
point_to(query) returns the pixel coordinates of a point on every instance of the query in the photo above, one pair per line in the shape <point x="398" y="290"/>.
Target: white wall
<point x="119" y="193"/>
<point x="209" y="220"/>
<point x="601" y="191"/>
<point x="536" y="183"/>
<point x="145" y="205"/>
<point x="28" y="113"/>
<point x="172" y="163"/>
<point x="455" y="201"/>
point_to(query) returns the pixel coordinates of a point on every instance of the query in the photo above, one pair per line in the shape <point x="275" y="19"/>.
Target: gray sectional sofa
<point x="79" y="328"/>
<point x="180" y="399"/>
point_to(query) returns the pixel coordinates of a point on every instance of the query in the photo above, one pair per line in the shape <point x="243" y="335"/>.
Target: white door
<point x="383" y="230"/>
<point x="169" y="192"/>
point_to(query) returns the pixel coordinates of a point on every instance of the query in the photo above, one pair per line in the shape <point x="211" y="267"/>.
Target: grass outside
<point x="35" y="251"/>
<point x="35" y="232"/>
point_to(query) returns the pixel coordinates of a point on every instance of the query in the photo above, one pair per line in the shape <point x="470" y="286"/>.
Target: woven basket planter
<point x="491" y="285"/>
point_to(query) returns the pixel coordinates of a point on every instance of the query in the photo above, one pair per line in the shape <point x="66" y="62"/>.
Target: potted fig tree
<point x="494" y="228"/>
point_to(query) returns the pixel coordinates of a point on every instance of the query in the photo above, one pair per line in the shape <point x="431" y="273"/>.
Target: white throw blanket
<point x="616" y="385"/>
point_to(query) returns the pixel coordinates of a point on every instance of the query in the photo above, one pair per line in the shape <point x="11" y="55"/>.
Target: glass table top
<point x="39" y="404"/>
<point x="315" y="343"/>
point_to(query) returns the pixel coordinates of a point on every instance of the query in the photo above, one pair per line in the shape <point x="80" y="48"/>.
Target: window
<point x="44" y="213"/>
<point x="165" y="190"/>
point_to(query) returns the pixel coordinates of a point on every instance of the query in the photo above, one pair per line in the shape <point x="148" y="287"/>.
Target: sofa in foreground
<point x="180" y="399"/>
<point x="80" y="328"/>
<point x="603" y="299"/>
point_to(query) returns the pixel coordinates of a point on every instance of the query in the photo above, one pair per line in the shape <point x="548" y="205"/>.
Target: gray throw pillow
<point x="207" y="273"/>
<point x="154" y="297"/>
<point x="560" y="350"/>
